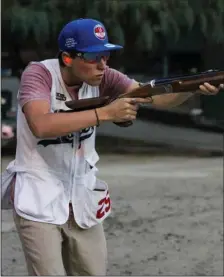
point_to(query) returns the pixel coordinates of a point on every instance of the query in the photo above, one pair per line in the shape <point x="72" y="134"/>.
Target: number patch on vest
<point x="105" y="206"/>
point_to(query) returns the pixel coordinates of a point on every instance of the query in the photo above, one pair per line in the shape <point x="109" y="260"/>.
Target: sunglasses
<point x="94" y="57"/>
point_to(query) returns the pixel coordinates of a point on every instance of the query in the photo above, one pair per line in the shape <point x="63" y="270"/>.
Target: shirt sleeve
<point x="35" y="84"/>
<point x="114" y="82"/>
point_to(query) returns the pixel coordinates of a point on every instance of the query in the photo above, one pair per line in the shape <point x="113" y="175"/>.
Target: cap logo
<point x="70" y="42"/>
<point x="99" y="32"/>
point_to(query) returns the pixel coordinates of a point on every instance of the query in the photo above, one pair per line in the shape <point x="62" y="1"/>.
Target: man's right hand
<point x="121" y="110"/>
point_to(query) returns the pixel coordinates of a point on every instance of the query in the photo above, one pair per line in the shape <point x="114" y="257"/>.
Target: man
<point x="59" y="204"/>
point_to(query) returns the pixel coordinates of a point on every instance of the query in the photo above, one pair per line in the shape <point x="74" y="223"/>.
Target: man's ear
<point x="67" y="60"/>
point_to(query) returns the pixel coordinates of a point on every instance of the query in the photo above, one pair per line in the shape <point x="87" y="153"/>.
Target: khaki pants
<point x="62" y="249"/>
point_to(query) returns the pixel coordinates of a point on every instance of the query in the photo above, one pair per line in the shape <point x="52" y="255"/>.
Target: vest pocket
<point x="91" y="199"/>
<point x="35" y="196"/>
<point x="7" y="179"/>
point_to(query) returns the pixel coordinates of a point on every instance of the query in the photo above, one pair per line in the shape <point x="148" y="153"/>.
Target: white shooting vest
<point x="50" y="173"/>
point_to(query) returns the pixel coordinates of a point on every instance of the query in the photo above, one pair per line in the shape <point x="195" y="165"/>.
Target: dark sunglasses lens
<point x="96" y="56"/>
<point x="89" y="56"/>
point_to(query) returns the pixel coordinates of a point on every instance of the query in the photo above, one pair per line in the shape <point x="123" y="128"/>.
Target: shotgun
<point x="176" y="84"/>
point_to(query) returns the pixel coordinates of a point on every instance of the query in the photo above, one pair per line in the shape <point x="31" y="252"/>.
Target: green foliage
<point x="202" y="19"/>
<point x="145" y="38"/>
<point x="217" y="22"/>
<point x="133" y="14"/>
<point x="116" y="33"/>
<point x="144" y="21"/>
<point x="93" y="12"/>
<point x="210" y="15"/>
<point x="184" y="15"/>
<point x="220" y="6"/>
<point x="34" y="19"/>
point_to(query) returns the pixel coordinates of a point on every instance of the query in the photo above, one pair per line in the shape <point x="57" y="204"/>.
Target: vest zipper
<point x="73" y="165"/>
<point x="72" y="180"/>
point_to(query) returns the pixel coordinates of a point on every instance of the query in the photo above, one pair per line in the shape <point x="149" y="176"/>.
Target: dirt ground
<point x="167" y="217"/>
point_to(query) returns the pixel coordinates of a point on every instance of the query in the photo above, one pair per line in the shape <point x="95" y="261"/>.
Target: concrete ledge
<point x="107" y="145"/>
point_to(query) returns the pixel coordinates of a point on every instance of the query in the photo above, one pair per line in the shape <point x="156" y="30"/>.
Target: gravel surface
<point x="167" y="217"/>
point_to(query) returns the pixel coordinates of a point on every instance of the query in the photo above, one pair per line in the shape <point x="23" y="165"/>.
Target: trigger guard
<point x="123" y="124"/>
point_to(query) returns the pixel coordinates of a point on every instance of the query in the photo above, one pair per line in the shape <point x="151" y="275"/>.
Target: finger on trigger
<point x="150" y="99"/>
<point x="143" y="100"/>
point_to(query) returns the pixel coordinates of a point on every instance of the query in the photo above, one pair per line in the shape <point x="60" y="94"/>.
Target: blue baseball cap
<point x="85" y="35"/>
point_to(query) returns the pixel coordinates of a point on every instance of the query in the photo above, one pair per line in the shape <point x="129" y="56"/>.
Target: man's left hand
<point x="208" y="89"/>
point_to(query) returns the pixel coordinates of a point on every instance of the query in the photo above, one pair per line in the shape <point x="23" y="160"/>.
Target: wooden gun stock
<point x="88" y="103"/>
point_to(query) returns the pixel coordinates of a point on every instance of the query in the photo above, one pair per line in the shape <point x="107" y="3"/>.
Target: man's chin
<point x="94" y="83"/>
